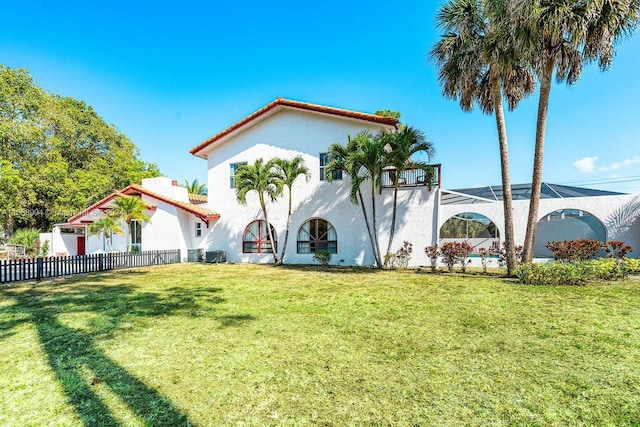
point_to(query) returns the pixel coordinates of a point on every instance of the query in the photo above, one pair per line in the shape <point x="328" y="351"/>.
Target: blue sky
<point x="170" y="74"/>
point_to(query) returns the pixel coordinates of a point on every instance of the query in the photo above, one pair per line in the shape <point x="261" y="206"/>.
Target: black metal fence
<point x="17" y="270"/>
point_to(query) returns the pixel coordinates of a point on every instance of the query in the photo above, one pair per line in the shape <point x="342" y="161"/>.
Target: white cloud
<point x="631" y="161"/>
<point x="618" y="165"/>
<point x="586" y="165"/>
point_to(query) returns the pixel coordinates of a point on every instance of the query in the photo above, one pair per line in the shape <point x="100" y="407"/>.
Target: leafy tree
<point x="363" y="160"/>
<point x="289" y="171"/>
<point x="129" y="209"/>
<point x="388" y="113"/>
<point x="66" y="157"/>
<point x="402" y="146"/>
<point x="263" y="178"/>
<point x="479" y="64"/>
<point x="107" y="226"/>
<point x="557" y="37"/>
<point x="194" y="187"/>
<point x="10" y="185"/>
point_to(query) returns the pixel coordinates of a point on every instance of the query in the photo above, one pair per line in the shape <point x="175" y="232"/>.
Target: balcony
<point x="411" y="178"/>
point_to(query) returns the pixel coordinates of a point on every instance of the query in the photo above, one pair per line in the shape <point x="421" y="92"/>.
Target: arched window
<point x="473" y="228"/>
<point x="255" y="239"/>
<point x="468" y="225"/>
<point x="317" y="235"/>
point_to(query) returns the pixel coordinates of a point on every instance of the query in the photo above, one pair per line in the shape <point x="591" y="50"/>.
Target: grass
<point x="247" y="345"/>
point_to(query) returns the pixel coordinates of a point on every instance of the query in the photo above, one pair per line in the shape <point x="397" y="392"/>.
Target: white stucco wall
<point x="618" y="213"/>
<point x="287" y="134"/>
<point x="164" y="231"/>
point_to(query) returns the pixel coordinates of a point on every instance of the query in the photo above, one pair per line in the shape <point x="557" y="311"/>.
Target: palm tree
<point x="263" y="178"/>
<point x="289" y="171"/>
<point x="478" y="63"/>
<point x="194" y="187"/>
<point x="402" y="146"/>
<point x="363" y="160"/>
<point x="552" y="34"/>
<point x="107" y="226"/>
<point x="129" y="209"/>
<point x="338" y="153"/>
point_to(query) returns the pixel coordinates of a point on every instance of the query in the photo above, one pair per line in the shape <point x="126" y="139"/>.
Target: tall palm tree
<point x="289" y="171"/>
<point x="107" y="226"/>
<point x="194" y="187"/>
<point x="129" y="209"/>
<point x="263" y="178"/>
<point x="363" y="160"/>
<point x="478" y="64"/>
<point x="559" y="37"/>
<point x="402" y="146"/>
<point x="338" y="153"/>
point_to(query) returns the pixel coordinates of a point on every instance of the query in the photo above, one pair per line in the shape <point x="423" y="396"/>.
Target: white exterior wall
<point x="165" y="230"/>
<point x="618" y="214"/>
<point x="286" y="134"/>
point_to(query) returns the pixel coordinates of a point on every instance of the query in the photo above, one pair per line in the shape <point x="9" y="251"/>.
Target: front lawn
<point x="212" y="345"/>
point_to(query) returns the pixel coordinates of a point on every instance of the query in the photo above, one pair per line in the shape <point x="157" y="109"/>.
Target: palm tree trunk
<point x="366" y="221"/>
<point x="536" y="180"/>
<point x="274" y="251"/>
<point x="286" y="234"/>
<point x="373" y="221"/>
<point x="393" y="214"/>
<point x="509" y="235"/>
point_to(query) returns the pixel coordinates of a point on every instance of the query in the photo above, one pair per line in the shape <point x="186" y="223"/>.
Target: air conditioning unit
<point x="216" y="256"/>
<point x="195" y="255"/>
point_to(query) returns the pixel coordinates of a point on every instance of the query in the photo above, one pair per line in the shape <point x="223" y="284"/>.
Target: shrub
<point x="575" y="250"/>
<point x="433" y="252"/>
<point x="400" y="258"/>
<point x="485" y="258"/>
<point x="322" y="257"/>
<point x="573" y="273"/>
<point x="456" y="253"/>
<point x="404" y="254"/>
<point x="554" y="273"/>
<point x="27" y="237"/>
<point x="44" y="249"/>
<point x="502" y="254"/>
<point x="617" y="249"/>
<point x="532" y="274"/>
<point x="632" y="265"/>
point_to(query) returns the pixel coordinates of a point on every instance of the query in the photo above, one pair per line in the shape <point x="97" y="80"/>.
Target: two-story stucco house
<point x="323" y="216"/>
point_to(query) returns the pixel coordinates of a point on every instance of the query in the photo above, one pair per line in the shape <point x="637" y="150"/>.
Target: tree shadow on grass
<point x="80" y="366"/>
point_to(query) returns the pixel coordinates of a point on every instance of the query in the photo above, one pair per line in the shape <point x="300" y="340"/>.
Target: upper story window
<point x="324" y="160"/>
<point x="233" y="167"/>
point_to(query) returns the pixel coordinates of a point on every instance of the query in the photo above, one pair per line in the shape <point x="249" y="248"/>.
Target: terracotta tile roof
<point x="201" y="212"/>
<point x="100" y="204"/>
<point x="197" y="199"/>
<point x="282" y="102"/>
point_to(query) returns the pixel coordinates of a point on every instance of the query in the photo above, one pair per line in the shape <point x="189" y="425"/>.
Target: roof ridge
<point x="280" y="101"/>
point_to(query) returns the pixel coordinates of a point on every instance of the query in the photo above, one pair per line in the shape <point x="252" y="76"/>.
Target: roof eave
<point x="281" y="103"/>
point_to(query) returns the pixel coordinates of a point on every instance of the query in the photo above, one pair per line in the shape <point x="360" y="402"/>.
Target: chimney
<point x="174" y="183"/>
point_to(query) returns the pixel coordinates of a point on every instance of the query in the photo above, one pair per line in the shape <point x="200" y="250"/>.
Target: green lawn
<point x="257" y="345"/>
